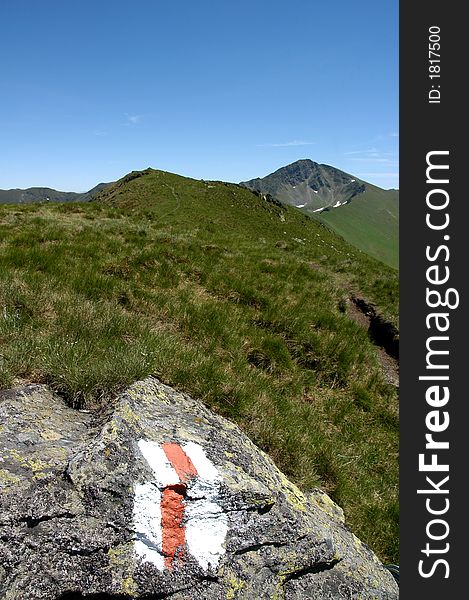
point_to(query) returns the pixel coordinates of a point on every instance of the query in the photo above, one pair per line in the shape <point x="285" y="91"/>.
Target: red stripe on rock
<point x="181" y="463"/>
<point x="173" y="531"/>
<point x="172" y="504"/>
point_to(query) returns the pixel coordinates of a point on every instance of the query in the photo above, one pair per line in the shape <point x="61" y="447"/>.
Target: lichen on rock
<point x="161" y="497"/>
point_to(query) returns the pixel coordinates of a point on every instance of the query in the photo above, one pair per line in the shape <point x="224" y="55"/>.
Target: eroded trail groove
<point x="381" y="332"/>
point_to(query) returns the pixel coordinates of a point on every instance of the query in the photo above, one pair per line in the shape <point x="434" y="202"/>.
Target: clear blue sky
<point x="231" y="90"/>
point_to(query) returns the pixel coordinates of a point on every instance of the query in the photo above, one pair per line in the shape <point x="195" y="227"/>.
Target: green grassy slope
<point x="236" y="300"/>
<point x="370" y="222"/>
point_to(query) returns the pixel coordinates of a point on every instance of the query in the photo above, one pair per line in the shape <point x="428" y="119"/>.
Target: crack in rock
<point x="32" y="522"/>
<point x="257" y="547"/>
<point x="312" y="569"/>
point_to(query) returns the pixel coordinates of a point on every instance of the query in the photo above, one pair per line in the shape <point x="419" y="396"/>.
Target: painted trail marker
<point x="177" y="511"/>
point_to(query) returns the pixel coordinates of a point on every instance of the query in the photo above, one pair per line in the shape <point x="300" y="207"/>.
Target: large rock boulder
<point x="157" y="498"/>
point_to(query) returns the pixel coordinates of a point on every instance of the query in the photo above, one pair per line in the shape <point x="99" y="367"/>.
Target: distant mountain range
<point x="44" y="194"/>
<point x="364" y="214"/>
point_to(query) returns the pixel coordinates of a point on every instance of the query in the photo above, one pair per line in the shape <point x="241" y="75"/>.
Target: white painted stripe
<point x="205" y="468"/>
<point x="147" y="524"/>
<point x="147" y="504"/>
<point x="149" y="555"/>
<point x="206" y="529"/>
<point x="206" y="523"/>
<point x="158" y="461"/>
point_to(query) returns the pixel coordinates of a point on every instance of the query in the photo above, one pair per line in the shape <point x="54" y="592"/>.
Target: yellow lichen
<point x="7" y="479"/>
<point x="113" y="430"/>
<point x="35" y="464"/>
<point x="294" y="496"/>
<point x="118" y="554"/>
<point x="327" y="505"/>
<point x="235" y="586"/>
<point x="50" y="435"/>
<point x="58" y="453"/>
<point x="129" y="586"/>
<point x="278" y="594"/>
<point x="122" y="566"/>
<point x="128" y="414"/>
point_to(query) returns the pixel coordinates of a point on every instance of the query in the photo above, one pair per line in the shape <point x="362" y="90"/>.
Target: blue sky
<point x="90" y="90"/>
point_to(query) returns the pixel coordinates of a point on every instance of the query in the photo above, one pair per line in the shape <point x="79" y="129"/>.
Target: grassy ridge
<point x="231" y="298"/>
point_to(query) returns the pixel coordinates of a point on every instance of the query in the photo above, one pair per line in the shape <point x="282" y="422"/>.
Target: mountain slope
<point x="365" y="215"/>
<point x="240" y="301"/>
<point x="370" y="222"/>
<point x="41" y="194"/>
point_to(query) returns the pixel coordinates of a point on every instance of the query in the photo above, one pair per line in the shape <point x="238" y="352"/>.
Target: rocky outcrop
<point x="160" y="498"/>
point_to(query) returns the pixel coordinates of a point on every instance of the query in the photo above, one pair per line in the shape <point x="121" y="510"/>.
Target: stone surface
<point x="161" y="498"/>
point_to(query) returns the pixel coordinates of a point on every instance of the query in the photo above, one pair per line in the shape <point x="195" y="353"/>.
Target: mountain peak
<point x="298" y="170"/>
<point x="305" y="183"/>
<point x="303" y="161"/>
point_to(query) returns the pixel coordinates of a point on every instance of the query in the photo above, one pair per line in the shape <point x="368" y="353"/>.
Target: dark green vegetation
<point x="39" y="194"/>
<point x="363" y="214"/>
<point x="239" y="301"/>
